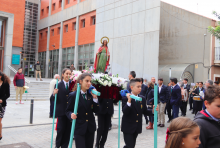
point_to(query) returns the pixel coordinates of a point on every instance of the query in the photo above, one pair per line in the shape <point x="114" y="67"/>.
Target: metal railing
<point x="217" y="53"/>
<point x="15" y="71"/>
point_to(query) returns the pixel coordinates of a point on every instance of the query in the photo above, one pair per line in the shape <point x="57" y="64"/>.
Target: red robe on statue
<point x="97" y="59"/>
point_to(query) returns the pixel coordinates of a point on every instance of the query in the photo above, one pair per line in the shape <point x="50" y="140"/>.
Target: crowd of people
<point x="203" y="131"/>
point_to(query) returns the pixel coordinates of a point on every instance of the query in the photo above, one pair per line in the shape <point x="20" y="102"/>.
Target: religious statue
<point x="102" y="57"/>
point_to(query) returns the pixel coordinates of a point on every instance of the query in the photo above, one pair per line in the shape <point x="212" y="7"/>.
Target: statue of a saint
<point x="102" y="58"/>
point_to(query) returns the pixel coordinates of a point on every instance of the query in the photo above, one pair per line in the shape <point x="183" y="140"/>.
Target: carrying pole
<point x="155" y="114"/>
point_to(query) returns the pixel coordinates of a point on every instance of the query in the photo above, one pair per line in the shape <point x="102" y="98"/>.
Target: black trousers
<point x="198" y="106"/>
<point x="85" y="141"/>
<point x="104" y="121"/>
<point x="191" y="102"/>
<point x="183" y="108"/>
<point x="130" y="140"/>
<point x="63" y="132"/>
<point x="169" y="112"/>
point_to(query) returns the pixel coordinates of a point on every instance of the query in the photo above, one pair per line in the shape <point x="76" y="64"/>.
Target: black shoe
<point x="169" y="121"/>
<point x="158" y="124"/>
<point x="1" y="138"/>
<point x="193" y="112"/>
<point x="190" y="109"/>
<point x="50" y="116"/>
<point x="109" y="128"/>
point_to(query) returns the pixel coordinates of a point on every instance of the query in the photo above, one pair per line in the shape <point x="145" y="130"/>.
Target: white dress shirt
<point x="129" y="104"/>
<point x="94" y="99"/>
<point x="160" y="88"/>
<point x="66" y="83"/>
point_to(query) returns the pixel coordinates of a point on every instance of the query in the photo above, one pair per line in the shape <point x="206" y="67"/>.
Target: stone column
<point x="76" y="39"/>
<point x="8" y="44"/>
<point x="60" y="49"/>
<point x="47" y="52"/>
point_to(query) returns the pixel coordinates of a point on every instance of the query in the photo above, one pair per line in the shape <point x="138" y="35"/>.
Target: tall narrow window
<point x="58" y="30"/>
<point x="41" y="35"/>
<point x="93" y="20"/>
<point x="67" y="1"/>
<point x="52" y="32"/>
<point x="54" y="6"/>
<point x="42" y="12"/>
<point x="47" y="9"/>
<point x="83" y="23"/>
<point x="46" y="34"/>
<point x="60" y="3"/>
<point x="66" y="28"/>
<point x="74" y="25"/>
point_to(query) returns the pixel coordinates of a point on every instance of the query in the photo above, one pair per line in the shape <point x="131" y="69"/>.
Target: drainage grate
<point x="17" y="145"/>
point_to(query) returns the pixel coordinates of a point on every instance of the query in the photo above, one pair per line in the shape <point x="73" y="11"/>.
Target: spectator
<point x="168" y="105"/>
<point x="131" y="75"/>
<point x="4" y="95"/>
<point x="162" y="99"/>
<point x="52" y="85"/>
<point x="143" y="88"/>
<point x="186" y="87"/>
<point x="150" y="103"/>
<point x="145" y="81"/>
<point x="72" y="68"/>
<point x="183" y="133"/>
<point x="207" y="84"/>
<point x="216" y="83"/>
<point x="19" y="83"/>
<point x="153" y="80"/>
<point x="209" y="119"/>
<point x="176" y="97"/>
<point x="37" y="68"/>
<point x="198" y="104"/>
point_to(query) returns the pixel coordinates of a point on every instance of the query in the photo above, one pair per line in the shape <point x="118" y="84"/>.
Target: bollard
<point x="31" y="111"/>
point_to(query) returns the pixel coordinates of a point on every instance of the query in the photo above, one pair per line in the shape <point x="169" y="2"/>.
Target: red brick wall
<point x="42" y="40"/>
<point x="69" y="37"/>
<point x="57" y="6"/>
<point x="17" y="7"/>
<point x="44" y="6"/>
<point x="87" y="34"/>
<point x="54" y="40"/>
<point x="82" y="0"/>
<point x="71" y="3"/>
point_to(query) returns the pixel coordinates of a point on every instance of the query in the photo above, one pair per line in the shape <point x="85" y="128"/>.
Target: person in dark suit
<point x="64" y="125"/>
<point x="132" y="114"/>
<point x="184" y="103"/>
<point x="176" y="97"/>
<point x="143" y="88"/>
<point x="104" y="120"/>
<point x="168" y="105"/>
<point x="162" y="99"/>
<point x="4" y="95"/>
<point x="131" y="76"/>
<point x="85" y="121"/>
<point x="150" y="103"/>
<point x="198" y="104"/>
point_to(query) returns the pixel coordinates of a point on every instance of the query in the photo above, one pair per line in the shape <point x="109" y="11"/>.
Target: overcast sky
<point x="204" y="7"/>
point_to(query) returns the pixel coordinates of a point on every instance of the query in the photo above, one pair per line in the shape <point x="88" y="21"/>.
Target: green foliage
<point x="215" y="31"/>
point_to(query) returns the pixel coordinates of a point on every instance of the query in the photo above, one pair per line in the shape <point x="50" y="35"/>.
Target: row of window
<point x="54" y="6"/>
<point x="66" y="27"/>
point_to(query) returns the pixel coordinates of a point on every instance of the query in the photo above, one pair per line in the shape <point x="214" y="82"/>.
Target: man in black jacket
<point x="198" y="104"/>
<point x="209" y="119"/>
<point x="168" y="105"/>
<point x="132" y="114"/>
<point x="184" y="103"/>
<point x="104" y="120"/>
<point x="131" y="76"/>
<point x="143" y="88"/>
<point x="163" y="98"/>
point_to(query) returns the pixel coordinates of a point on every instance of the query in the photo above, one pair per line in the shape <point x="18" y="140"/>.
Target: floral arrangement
<point x="103" y="80"/>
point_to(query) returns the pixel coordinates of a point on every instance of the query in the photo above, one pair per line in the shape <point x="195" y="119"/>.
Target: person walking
<point x="176" y="97"/>
<point x="52" y="85"/>
<point x="37" y="68"/>
<point x="186" y="87"/>
<point x="162" y="99"/>
<point x="19" y="83"/>
<point x="168" y="105"/>
<point x="4" y="95"/>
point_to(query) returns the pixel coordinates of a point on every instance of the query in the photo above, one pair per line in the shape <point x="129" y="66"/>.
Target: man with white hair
<point x="207" y="84"/>
<point x="52" y="85"/>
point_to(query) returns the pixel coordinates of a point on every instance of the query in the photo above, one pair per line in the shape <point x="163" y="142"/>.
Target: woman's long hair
<point x="106" y="43"/>
<point x="179" y="129"/>
<point x="64" y="70"/>
<point x="5" y="78"/>
<point x="81" y="77"/>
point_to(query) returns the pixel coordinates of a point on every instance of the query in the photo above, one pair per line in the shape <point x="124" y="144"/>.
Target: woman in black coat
<point x="4" y="95"/>
<point x="150" y="97"/>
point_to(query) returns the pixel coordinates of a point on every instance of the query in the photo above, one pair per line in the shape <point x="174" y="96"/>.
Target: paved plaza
<point x="16" y="128"/>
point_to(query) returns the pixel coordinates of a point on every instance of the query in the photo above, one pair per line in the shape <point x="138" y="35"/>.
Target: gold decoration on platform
<point x="103" y="38"/>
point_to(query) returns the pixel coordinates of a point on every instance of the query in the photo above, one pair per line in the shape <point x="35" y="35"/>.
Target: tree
<point x="215" y="31"/>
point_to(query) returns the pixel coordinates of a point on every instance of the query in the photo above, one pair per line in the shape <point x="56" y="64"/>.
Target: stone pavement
<point x="16" y="128"/>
